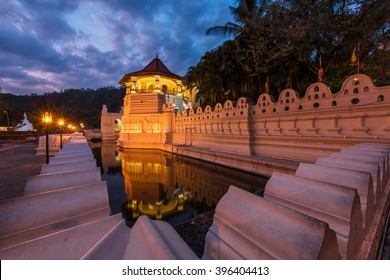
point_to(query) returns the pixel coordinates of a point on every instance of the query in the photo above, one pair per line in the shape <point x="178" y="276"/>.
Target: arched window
<point x="164" y="88"/>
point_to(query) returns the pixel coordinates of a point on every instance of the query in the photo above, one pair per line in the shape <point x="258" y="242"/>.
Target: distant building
<point x="24" y="125"/>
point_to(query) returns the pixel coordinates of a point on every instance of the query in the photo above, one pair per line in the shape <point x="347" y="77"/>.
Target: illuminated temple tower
<point x="158" y="82"/>
<point x="144" y="122"/>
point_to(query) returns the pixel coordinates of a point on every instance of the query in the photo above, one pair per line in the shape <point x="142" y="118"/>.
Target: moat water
<point x="165" y="186"/>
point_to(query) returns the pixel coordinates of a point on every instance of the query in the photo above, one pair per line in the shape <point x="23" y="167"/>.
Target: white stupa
<point x="24" y="125"/>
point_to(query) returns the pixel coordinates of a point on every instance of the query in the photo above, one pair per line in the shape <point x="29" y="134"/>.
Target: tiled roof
<point x="156" y="66"/>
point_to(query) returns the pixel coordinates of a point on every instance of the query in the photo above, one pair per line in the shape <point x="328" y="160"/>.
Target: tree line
<point x="273" y="45"/>
<point x="74" y="105"/>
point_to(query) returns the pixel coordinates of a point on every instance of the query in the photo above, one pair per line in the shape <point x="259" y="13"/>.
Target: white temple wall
<point x="108" y="124"/>
<point x="318" y="123"/>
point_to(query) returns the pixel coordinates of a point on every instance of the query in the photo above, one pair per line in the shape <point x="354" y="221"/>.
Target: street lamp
<point x="5" y="112"/>
<point x="61" y="123"/>
<point x="46" y="119"/>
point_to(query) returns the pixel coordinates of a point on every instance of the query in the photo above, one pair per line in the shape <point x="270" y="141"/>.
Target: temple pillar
<point x="179" y="89"/>
<point x="133" y="85"/>
<point x="157" y="83"/>
<point x="128" y="88"/>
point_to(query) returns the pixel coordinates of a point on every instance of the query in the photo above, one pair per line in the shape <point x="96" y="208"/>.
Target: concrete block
<point x="72" y="158"/>
<point x="369" y="167"/>
<point x="67" y="166"/>
<point x="60" y="180"/>
<point x="367" y="158"/>
<point x="336" y="205"/>
<point x="370" y="151"/>
<point x="368" y="144"/>
<point x="112" y="246"/>
<point x="68" y="244"/>
<point x="146" y="240"/>
<point x="359" y="180"/>
<point x="51" y="211"/>
<point x="76" y="153"/>
<point x="382" y="150"/>
<point x="76" y="146"/>
<point x="378" y="157"/>
<point x="247" y="226"/>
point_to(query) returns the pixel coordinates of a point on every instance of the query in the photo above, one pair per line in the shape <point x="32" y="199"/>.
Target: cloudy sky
<point x="48" y="45"/>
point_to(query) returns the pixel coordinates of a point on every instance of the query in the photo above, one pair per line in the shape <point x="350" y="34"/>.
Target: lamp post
<point x="6" y="112"/>
<point x="46" y="118"/>
<point x="61" y="123"/>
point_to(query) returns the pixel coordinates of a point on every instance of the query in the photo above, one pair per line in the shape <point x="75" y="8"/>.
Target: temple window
<point x="164" y="88"/>
<point x="355" y="101"/>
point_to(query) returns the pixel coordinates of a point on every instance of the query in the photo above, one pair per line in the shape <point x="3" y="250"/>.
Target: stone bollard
<point x="336" y="205"/>
<point x="370" y="167"/>
<point x="247" y="226"/>
<point x="61" y="180"/>
<point x="359" y="180"/>
<point x="67" y="166"/>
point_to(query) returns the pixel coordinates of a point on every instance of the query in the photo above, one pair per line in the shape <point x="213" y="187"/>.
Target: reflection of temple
<point x="159" y="184"/>
<point x="149" y="184"/>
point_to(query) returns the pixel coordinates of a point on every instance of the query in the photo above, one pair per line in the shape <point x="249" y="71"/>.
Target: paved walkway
<point x="17" y="163"/>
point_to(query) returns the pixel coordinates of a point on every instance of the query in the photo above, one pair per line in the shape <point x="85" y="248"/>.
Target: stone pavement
<point x="17" y="163"/>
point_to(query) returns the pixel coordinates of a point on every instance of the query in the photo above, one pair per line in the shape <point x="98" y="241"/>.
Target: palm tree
<point x="243" y="15"/>
<point x="247" y="16"/>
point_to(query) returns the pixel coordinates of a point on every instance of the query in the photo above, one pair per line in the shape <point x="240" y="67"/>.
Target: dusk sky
<point x="51" y="45"/>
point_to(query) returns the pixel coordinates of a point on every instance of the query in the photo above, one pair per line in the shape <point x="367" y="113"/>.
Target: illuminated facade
<point x="158" y="79"/>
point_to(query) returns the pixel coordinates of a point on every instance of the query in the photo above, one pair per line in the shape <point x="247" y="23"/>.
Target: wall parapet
<point x="359" y="109"/>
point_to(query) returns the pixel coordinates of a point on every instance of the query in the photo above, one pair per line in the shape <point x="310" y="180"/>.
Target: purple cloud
<point x="59" y="44"/>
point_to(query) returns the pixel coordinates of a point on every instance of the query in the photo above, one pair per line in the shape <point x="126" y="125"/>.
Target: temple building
<point x="147" y="91"/>
<point x="156" y="78"/>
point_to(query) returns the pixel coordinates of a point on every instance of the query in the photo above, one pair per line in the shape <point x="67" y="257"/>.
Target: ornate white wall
<point x="358" y="112"/>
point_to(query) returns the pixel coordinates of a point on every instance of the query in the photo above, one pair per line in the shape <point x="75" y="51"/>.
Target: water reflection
<point x="166" y="186"/>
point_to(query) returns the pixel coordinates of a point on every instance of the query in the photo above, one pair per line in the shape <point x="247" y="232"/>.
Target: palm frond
<point x="228" y="29"/>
